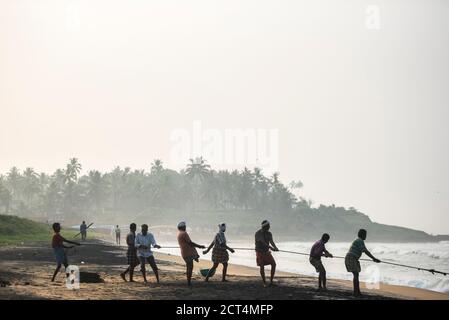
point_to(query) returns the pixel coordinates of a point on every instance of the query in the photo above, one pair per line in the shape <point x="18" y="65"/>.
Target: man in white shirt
<point x="144" y="241"/>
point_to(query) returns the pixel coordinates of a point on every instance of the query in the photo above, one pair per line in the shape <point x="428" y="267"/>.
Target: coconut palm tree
<point x="275" y="178"/>
<point x="72" y="171"/>
<point x="96" y="189"/>
<point x="156" y="167"/>
<point x="261" y="188"/>
<point x="59" y="177"/>
<point x="245" y="188"/>
<point x="197" y="171"/>
<point x="295" y="185"/>
<point x="69" y="193"/>
<point x="116" y="183"/>
<point x="31" y="184"/>
<point x="52" y="199"/>
<point x="197" y="168"/>
<point x="13" y="179"/>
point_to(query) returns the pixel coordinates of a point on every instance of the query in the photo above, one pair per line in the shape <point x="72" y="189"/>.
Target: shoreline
<point x="402" y="292"/>
<point x="25" y="271"/>
<point x="244" y="237"/>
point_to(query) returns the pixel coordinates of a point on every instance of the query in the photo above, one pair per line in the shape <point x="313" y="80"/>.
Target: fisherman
<point x="264" y="242"/>
<point x="117" y="232"/>
<point x="318" y="250"/>
<point x="58" y="248"/>
<point x="83" y="231"/>
<point x="352" y="259"/>
<point x="219" y="253"/>
<point x="143" y="243"/>
<point x="131" y="254"/>
<point x="188" y="251"/>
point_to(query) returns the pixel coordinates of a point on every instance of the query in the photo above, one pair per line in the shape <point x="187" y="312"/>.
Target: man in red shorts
<point x="264" y="242"/>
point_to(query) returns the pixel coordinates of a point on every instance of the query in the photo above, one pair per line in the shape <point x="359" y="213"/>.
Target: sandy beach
<point x="25" y="273"/>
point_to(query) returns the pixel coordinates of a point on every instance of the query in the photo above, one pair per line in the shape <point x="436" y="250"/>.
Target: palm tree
<point x="31" y="184"/>
<point x="197" y="171"/>
<point x="43" y="179"/>
<point x="295" y="185"/>
<point x="261" y="188"/>
<point x="52" y="199"/>
<point x="116" y="178"/>
<point x="156" y="167"/>
<point x="275" y="178"/>
<point x="73" y="168"/>
<point x="68" y="193"/>
<point x="13" y="179"/>
<point x="245" y="187"/>
<point x="96" y="189"/>
<point x="198" y="168"/>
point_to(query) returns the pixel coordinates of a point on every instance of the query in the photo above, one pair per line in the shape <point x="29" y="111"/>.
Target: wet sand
<point x="25" y="273"/>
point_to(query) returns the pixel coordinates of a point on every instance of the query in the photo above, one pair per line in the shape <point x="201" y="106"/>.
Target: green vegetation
<point x="15" y="230"/>
<point x="198" y="194"/>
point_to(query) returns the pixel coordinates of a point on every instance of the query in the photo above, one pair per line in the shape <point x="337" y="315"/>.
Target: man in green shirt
<point x="352" y="259"/>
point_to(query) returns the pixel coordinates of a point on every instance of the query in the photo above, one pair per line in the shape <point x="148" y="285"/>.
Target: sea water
<point x="424" y="255"/>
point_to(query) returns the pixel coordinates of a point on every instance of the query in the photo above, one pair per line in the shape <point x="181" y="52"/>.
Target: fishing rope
<point x="433" y="271"/>
<point x="164" y="247"/>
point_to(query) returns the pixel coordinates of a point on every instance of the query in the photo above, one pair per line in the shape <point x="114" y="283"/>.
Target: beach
<point x="25" y="273"/>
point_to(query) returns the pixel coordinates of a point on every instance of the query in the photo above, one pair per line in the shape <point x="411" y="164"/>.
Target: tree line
<point x="197" y="188"/>
<point x="197" y="192"/>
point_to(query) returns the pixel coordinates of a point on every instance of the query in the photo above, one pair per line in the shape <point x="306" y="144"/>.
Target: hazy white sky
<point x="362" y="114"/>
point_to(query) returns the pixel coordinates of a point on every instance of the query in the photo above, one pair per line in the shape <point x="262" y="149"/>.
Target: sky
<point x="354" y="93"/>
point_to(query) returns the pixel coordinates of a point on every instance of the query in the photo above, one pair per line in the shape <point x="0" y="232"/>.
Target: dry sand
<point x="25" y="273"/>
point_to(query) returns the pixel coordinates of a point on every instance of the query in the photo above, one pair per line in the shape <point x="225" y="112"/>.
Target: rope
<point x="433" y="271"/>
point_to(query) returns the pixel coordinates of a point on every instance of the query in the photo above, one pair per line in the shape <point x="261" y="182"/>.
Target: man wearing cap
<point x="264" y="242"/>
<point x="188" y="251"/>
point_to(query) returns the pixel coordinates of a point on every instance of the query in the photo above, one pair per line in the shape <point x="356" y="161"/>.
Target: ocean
<point x="425" y="255"/>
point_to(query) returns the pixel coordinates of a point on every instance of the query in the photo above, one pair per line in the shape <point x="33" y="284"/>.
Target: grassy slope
<point x="15" y="230"/>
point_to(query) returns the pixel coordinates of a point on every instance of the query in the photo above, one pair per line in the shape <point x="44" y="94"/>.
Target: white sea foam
<point x="425" y="255"/>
